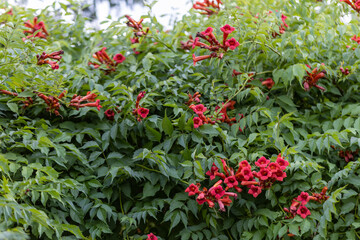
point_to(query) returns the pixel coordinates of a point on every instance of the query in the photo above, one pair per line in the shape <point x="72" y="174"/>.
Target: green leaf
<point x="167" y="125"/>
<point x="152" y="134"/>
<point x="182" y="121"/>
<point x="149" y="190"/>
<point x="305" y="226"/>
<point x="299" y="72"/>
<point x="208" y="129"/>
<point x="114" y="131"/>
<point x="73" y="229"/>
<point x="13" y="107"/>
<point x="347" y="207"/>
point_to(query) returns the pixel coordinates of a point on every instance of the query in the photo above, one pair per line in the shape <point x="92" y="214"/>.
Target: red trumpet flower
<point x="36" y="26"/>
<point x="208" y="7"/>
<point x="355" y="4"/>
<point x="103" y="58"/>
<point x="312" y="78"/>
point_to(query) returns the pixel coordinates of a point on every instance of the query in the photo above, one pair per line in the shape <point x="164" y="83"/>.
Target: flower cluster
<point x="298" y="204"/>
<point x="138" y="30"/>
<point x="9" y="12"/>
<point x="212" y="195"/>
<point x="139" y="111"/>
<point x="348" y="155"/>
<point x="188" y="44"/>
<point x="193" y="98"/>
<point x="200" y="109"/>
<point x="281" y="27"/>
<point x="110" y="113"/>
<point x="151" y="236"/>
<point x="344" y="71"/>
<point x="26" y="103"/>
<point x="269" y="82"/>
<point x="104" y="58"/>
<point x="207" y="7"/>
<point x="355" y="4"/>
<point x="312" y="78"/>
<point x="356" y="39"/>
<point x="76" y="101"/>
<point x="244" y="176"/>
<point x="268" y="173"/>
<point x="52" y="102"/>
<point x="223" y="113"/>
<point x="214" y="46"/>
<point x="36" y="26"/>
<point x="42" y="59"/>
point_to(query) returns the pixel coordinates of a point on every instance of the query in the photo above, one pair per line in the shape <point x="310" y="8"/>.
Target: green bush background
<point x="91" y="178"/>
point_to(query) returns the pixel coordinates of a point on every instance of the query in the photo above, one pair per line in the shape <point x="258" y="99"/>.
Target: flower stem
<point x="236" y="93"/>
<point x="268" y="47"/>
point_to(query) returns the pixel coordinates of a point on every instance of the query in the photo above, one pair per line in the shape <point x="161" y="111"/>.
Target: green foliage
<point x="79" y="175"/>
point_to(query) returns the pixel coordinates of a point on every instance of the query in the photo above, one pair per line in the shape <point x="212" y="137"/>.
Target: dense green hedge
<point x="105" y="143"/>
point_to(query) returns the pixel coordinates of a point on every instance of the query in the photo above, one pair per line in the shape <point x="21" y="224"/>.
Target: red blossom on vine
<point x="303" y="211"/>
<point x="143" y="112"/>
<point x="35" y="26"/>
<point x="282" y="162"/>
<point x="355" y="4"/>
<point x="10" y="12"/>
<point x="192" y="189"/>
<point x="214" y="45"/>
<point x="262" y="162"/>
<point x="200" y="58"/>
<point x="312" y="78"/>
<point x="139" y="111"/>
<point x="119" y="58"/>
<point x="208" y="7"/>
<point x="269" y="83"/>
<point x="298" y="204"/>
<point x="232" y="43"/>
<point x="303" y="198"/>
<point x="103" y="58"/>
<point x="137" y="26"/>
<point x="283" y="18"/>
<point x="212" y="172"/>
<point x="244" y="176"/>
<point x="348" y="155"/>
<point x="226" y="29"/>
<point x="109" y="114"/>
<point x="42" y="59"/>
<point x="193" y="98"/>
<point x="76" y="101"/>
<point x="151" y="236"/>
<point x="197" y="122"/>
<point x="188" y="44"/>
<point x="254" y="190"/>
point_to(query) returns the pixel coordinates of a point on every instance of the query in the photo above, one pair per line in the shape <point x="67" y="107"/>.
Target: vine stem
<point x="157" y="39"/>
<point x="122" y="209"/>
<point x="272" y="49"/>
<point x="267" y="45"/>
<point x="242" y="87"/>
<point x="121" y="206"/>
<point x="149" y="169"/>
<point x="357" y="235"/>
<point x="282" y="209"/>
<point x="234" y="95"/>
<point x="229" y="234"/>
